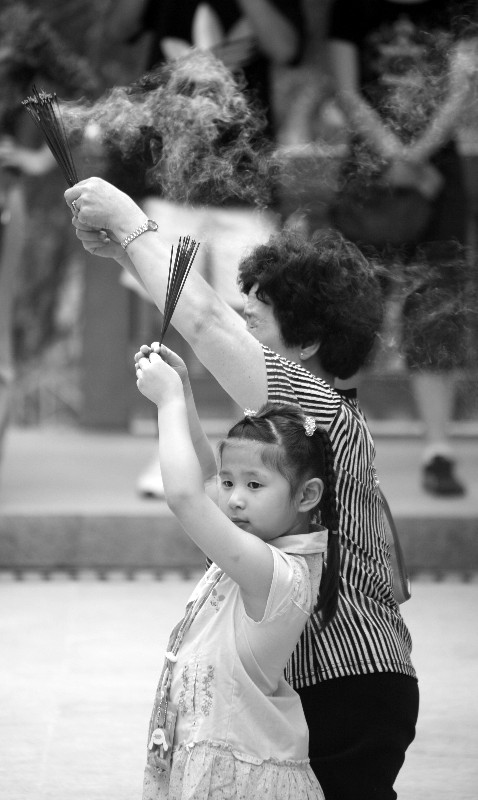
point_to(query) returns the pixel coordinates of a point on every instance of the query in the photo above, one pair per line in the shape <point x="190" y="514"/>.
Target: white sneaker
<point x="150" y="482"/>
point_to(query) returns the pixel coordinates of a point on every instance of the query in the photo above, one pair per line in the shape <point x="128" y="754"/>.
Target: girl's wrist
<point x="171" y="404"/>
<point x="187" y="388"/>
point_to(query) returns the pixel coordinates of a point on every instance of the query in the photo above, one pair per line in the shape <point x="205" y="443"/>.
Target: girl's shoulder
<point x="304" y="579"/>
<point x="298" y="562"/>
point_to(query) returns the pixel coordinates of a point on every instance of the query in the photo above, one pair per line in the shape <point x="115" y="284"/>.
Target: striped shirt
<point x="368" y="633"/>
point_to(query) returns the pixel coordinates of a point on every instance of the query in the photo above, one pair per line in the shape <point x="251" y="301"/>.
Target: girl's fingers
<point x="143" y="352"/>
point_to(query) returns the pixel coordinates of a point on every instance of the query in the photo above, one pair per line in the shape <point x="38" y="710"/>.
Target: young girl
<point x="225" y="722"/>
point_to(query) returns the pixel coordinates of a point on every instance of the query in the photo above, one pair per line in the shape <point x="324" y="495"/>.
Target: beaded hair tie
<point x="249" y="412"/>
<point x="310" y="426"/>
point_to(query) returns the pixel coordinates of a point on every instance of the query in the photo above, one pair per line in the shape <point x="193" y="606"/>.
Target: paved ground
<point x="68" y="498"/>
<point x="78" y="666"/>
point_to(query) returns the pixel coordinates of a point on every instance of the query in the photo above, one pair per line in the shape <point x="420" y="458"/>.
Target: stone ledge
<point x="74" y="542"/>
<point x="80" y="541"/>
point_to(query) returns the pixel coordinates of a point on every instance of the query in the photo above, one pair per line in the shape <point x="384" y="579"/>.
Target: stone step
<point x="68" y="501"/>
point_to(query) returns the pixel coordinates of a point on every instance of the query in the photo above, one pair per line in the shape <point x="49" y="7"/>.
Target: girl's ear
<point x="310" y="494"/>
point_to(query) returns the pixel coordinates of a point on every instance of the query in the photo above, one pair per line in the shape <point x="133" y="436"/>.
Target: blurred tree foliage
<point x="51" y="246"/>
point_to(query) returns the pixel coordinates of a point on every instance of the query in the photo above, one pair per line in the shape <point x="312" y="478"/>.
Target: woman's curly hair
<point x="323" y="290"/>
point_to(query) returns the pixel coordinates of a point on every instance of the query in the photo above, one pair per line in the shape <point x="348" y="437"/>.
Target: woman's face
<point x="261" y="322"/>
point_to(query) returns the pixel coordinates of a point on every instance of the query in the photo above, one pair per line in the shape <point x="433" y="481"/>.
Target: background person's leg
<point x="435" y="322"/>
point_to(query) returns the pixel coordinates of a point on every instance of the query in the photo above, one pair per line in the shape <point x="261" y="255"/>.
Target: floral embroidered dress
<point x="240" y="731"/>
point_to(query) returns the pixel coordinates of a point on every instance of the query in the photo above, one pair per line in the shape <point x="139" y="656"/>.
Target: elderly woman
<point x="312" y="310"/>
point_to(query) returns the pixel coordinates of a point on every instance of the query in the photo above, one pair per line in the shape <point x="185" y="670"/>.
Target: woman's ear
<point x="310" y="494"/>
<point x="309" y="350"/>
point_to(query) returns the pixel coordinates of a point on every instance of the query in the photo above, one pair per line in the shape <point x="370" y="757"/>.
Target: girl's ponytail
<point x="329" y="583"/>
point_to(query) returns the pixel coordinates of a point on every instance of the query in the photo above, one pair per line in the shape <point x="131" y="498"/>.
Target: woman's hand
<point x="158" y="381"/>
<point x="410" y="173"/>
<point x="98" y="205"/>
<point x="99" y="242"/>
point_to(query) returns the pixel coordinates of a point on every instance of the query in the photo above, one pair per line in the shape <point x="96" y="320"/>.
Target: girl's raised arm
<point x="201" y="444"/>
<point x="242" y="556"/>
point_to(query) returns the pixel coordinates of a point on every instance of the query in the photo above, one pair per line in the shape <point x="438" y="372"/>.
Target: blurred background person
<point x="250" y="37"/>
<point x="29" y="50"/>
<point x="16" y="162"/>
<point x="402" y="72"/>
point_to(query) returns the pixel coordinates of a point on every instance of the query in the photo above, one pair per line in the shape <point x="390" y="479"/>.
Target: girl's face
<point x="255" y="497"/>
<point x="261" y="322"/>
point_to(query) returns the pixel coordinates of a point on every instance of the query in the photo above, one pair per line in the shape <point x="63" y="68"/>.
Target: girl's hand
<point x="159" y="382"/>
<point x="169" y="356"/>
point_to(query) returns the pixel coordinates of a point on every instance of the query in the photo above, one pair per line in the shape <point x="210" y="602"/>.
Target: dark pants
<point x="360" y="728"/>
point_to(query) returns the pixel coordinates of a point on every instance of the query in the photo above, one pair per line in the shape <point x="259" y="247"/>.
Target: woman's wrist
<point x="128" y="222"/>
<point x="123" y="259"/>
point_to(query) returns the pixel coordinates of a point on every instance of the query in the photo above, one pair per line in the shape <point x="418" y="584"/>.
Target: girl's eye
<point x="227" y="484"/>
<point x="254" y="485"/>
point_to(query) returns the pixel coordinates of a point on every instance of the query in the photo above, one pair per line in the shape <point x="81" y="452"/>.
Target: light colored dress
<point x="240" y="732"/>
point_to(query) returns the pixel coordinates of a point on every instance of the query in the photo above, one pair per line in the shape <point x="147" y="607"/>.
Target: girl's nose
<point x="235" y="499"/>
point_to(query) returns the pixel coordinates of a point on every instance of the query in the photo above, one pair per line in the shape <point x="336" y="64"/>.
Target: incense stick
<point x="178" y="272"/>
<point x="44" y="109"/>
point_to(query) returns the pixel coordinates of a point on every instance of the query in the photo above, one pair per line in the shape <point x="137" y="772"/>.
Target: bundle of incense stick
<point x="44" y="109"/>
<point x="178" y="272"/>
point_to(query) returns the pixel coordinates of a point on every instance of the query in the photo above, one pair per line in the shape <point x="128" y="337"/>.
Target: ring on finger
<point x="75" y="208"/>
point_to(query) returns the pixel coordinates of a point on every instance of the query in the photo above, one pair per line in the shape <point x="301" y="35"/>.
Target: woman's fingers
<point x="80" y="226"/>
<point x="91" y="239"/>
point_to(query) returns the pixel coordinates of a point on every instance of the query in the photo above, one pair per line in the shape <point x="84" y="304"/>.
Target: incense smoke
<point x="189" y="127"/>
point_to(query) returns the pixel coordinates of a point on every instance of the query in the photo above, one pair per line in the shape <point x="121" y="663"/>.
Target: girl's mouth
<point x="239" y="522"/>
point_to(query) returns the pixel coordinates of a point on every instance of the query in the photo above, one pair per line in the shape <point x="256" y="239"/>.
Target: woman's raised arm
<point x="216" y="333"/>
